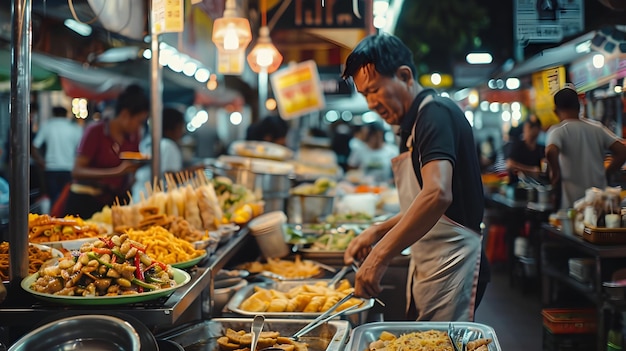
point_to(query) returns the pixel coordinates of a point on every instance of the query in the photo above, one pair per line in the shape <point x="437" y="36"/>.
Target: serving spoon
<point x="257" y="327"/>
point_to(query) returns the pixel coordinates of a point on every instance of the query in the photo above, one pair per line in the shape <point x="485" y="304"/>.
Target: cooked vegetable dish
<point x="106" y="267"/>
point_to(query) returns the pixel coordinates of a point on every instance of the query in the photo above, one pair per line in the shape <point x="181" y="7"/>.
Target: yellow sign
<point x="297" y="90"/>
<point x="546" y="83"/>
<point x="442" y="80"/>
<point x="168" y="16"/>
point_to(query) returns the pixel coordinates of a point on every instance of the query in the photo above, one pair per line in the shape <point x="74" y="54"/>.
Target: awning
<point x="43" y="79"/>
<point x="561" y="55"/>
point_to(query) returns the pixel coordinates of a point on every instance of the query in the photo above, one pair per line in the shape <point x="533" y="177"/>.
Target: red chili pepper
<point x="142" y="249"/>
<point x="108" y="242"/>
<point x="161" y="264"/>
<point x="101" y="250"/>
<point x="138" y="271"/>
<point x="113" y="258"/>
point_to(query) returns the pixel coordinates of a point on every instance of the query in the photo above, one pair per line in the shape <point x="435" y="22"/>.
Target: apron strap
<point x="410" y="140"/>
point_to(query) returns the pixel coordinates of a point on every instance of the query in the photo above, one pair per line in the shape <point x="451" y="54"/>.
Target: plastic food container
<point x="569" y="321"/>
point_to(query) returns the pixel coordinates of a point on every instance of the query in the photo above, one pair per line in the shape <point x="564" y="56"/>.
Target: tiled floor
<point x="515" y="316"/>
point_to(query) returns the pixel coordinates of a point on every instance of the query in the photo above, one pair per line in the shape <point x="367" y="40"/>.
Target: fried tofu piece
<point x="225" y="344"/>
<point x="277" y="305"/>
<point x="254" y="304"/>
<point x="316" y="304"/>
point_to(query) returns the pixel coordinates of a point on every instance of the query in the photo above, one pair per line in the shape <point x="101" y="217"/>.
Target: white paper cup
<point x="268" y="230"/>
<point x="613" y="220"/>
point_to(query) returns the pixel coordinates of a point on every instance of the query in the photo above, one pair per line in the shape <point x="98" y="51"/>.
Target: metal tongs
<point x="324" y="317"/>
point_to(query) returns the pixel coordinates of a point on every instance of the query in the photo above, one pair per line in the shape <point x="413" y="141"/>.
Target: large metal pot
<point x="86" y="332"/>
<point x="309" y="208"/>
<point x="269" y="179"/>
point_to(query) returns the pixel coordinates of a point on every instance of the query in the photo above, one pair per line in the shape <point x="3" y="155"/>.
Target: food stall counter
<point x="22" y="309"/>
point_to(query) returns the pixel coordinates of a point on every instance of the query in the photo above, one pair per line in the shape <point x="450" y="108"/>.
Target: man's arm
<point x="618" y="153"/>
<point x="427" y="207"/>
<point x="552" y="156"/>
<point x="516" y="167"/>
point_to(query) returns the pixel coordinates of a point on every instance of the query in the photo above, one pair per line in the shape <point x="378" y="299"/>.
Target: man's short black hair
<point x="566" y="99"/>
<point x="385" y="51"/>
<point x="273" y="127"/>
<point x="133" y="99"/>
<point x="533" y="121"/>
<point x="59" y="111"/>
<point x="172" y="119"/>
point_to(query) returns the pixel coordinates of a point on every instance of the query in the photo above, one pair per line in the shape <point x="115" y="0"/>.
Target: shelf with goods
<point x="557" y="248"/>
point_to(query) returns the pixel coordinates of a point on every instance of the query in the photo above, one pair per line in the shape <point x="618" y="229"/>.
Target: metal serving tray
<point x="364" y="334"/>
<point x="284" y="286"/>
<point x="330" y="336"/>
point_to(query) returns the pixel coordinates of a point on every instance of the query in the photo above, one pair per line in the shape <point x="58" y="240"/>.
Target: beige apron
<point x="443" y="272"/>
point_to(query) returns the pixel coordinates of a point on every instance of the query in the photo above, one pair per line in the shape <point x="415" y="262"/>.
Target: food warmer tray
<point x="284" y="286"/>
<point x="330" y="336"/>
<point x="364" y="334"/>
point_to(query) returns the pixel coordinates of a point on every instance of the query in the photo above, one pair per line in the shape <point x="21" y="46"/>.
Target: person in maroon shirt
<point x="99" y="175"/>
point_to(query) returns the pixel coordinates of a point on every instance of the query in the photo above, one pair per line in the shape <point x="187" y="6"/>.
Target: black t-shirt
<point x="443" y="133"/>
<point x="520" y="153"/>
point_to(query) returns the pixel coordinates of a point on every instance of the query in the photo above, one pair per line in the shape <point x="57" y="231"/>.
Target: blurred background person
<point x="60" y="136"/>
<point x="487" y="153"/>
<point x="272" y="129"/>
<point x="358" y="141"/>
<point x="373" y="160"/>
<point x="576" y="149"/>
<point x="173" y="129"/>
<point x="526" y="154"/>
<point x="99" y="175"/>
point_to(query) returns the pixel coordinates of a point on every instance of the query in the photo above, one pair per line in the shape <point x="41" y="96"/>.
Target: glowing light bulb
<point x="264" y="58"/>
<point x="231" y="40"/>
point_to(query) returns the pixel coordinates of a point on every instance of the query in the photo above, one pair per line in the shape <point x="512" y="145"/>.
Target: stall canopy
<point x="553" y="57"/>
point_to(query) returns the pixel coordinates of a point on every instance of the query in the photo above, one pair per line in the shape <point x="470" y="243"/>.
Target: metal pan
<point x="364" y="334"/>
<point x="331" y="336"/>
<point x="284" y="286"/>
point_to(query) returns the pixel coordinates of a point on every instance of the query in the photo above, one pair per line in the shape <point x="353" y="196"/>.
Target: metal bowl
<point x="87" y="332"/>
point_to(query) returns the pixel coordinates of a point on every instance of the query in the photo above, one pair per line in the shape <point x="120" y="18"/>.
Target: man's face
<point x="385" y="95"/>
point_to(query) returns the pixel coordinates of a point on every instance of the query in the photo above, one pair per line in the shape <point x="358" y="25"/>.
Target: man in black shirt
<point x="439" y="184"/>
<point x="526" y="154"/>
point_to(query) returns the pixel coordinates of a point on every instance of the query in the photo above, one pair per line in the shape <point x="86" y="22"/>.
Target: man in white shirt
<point x="171" y="156"/>
<point x="576" y="149"/>
<point x="61" y="137"/>
<point x="373" y="158"/>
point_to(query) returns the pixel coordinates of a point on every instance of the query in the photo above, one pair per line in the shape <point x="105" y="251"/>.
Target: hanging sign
<point x="547" y="21"/>
<point x="168" y="16"/>
<point x="546" y="83"/>
<point x="298" y="90"/>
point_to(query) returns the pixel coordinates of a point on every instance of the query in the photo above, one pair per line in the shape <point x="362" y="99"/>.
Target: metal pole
<point x="21" y="34"/>
<point x="156" y="100"/>
<point x="262" y="92"/>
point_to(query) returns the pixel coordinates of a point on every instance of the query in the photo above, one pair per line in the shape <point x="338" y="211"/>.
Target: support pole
<point x="156" y="99"/>
<point x="21" y="34"/>
<point x="263" y="88"/>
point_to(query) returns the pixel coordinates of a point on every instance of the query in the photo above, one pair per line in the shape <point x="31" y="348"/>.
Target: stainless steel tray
<point x="364" y="334"/>
<point x="284" y="286"/>
<point x="331" y="336"/>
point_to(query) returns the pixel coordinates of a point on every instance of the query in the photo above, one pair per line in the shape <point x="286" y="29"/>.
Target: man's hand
<point x="368" y="278"/>
<point x="361" y="245"/>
